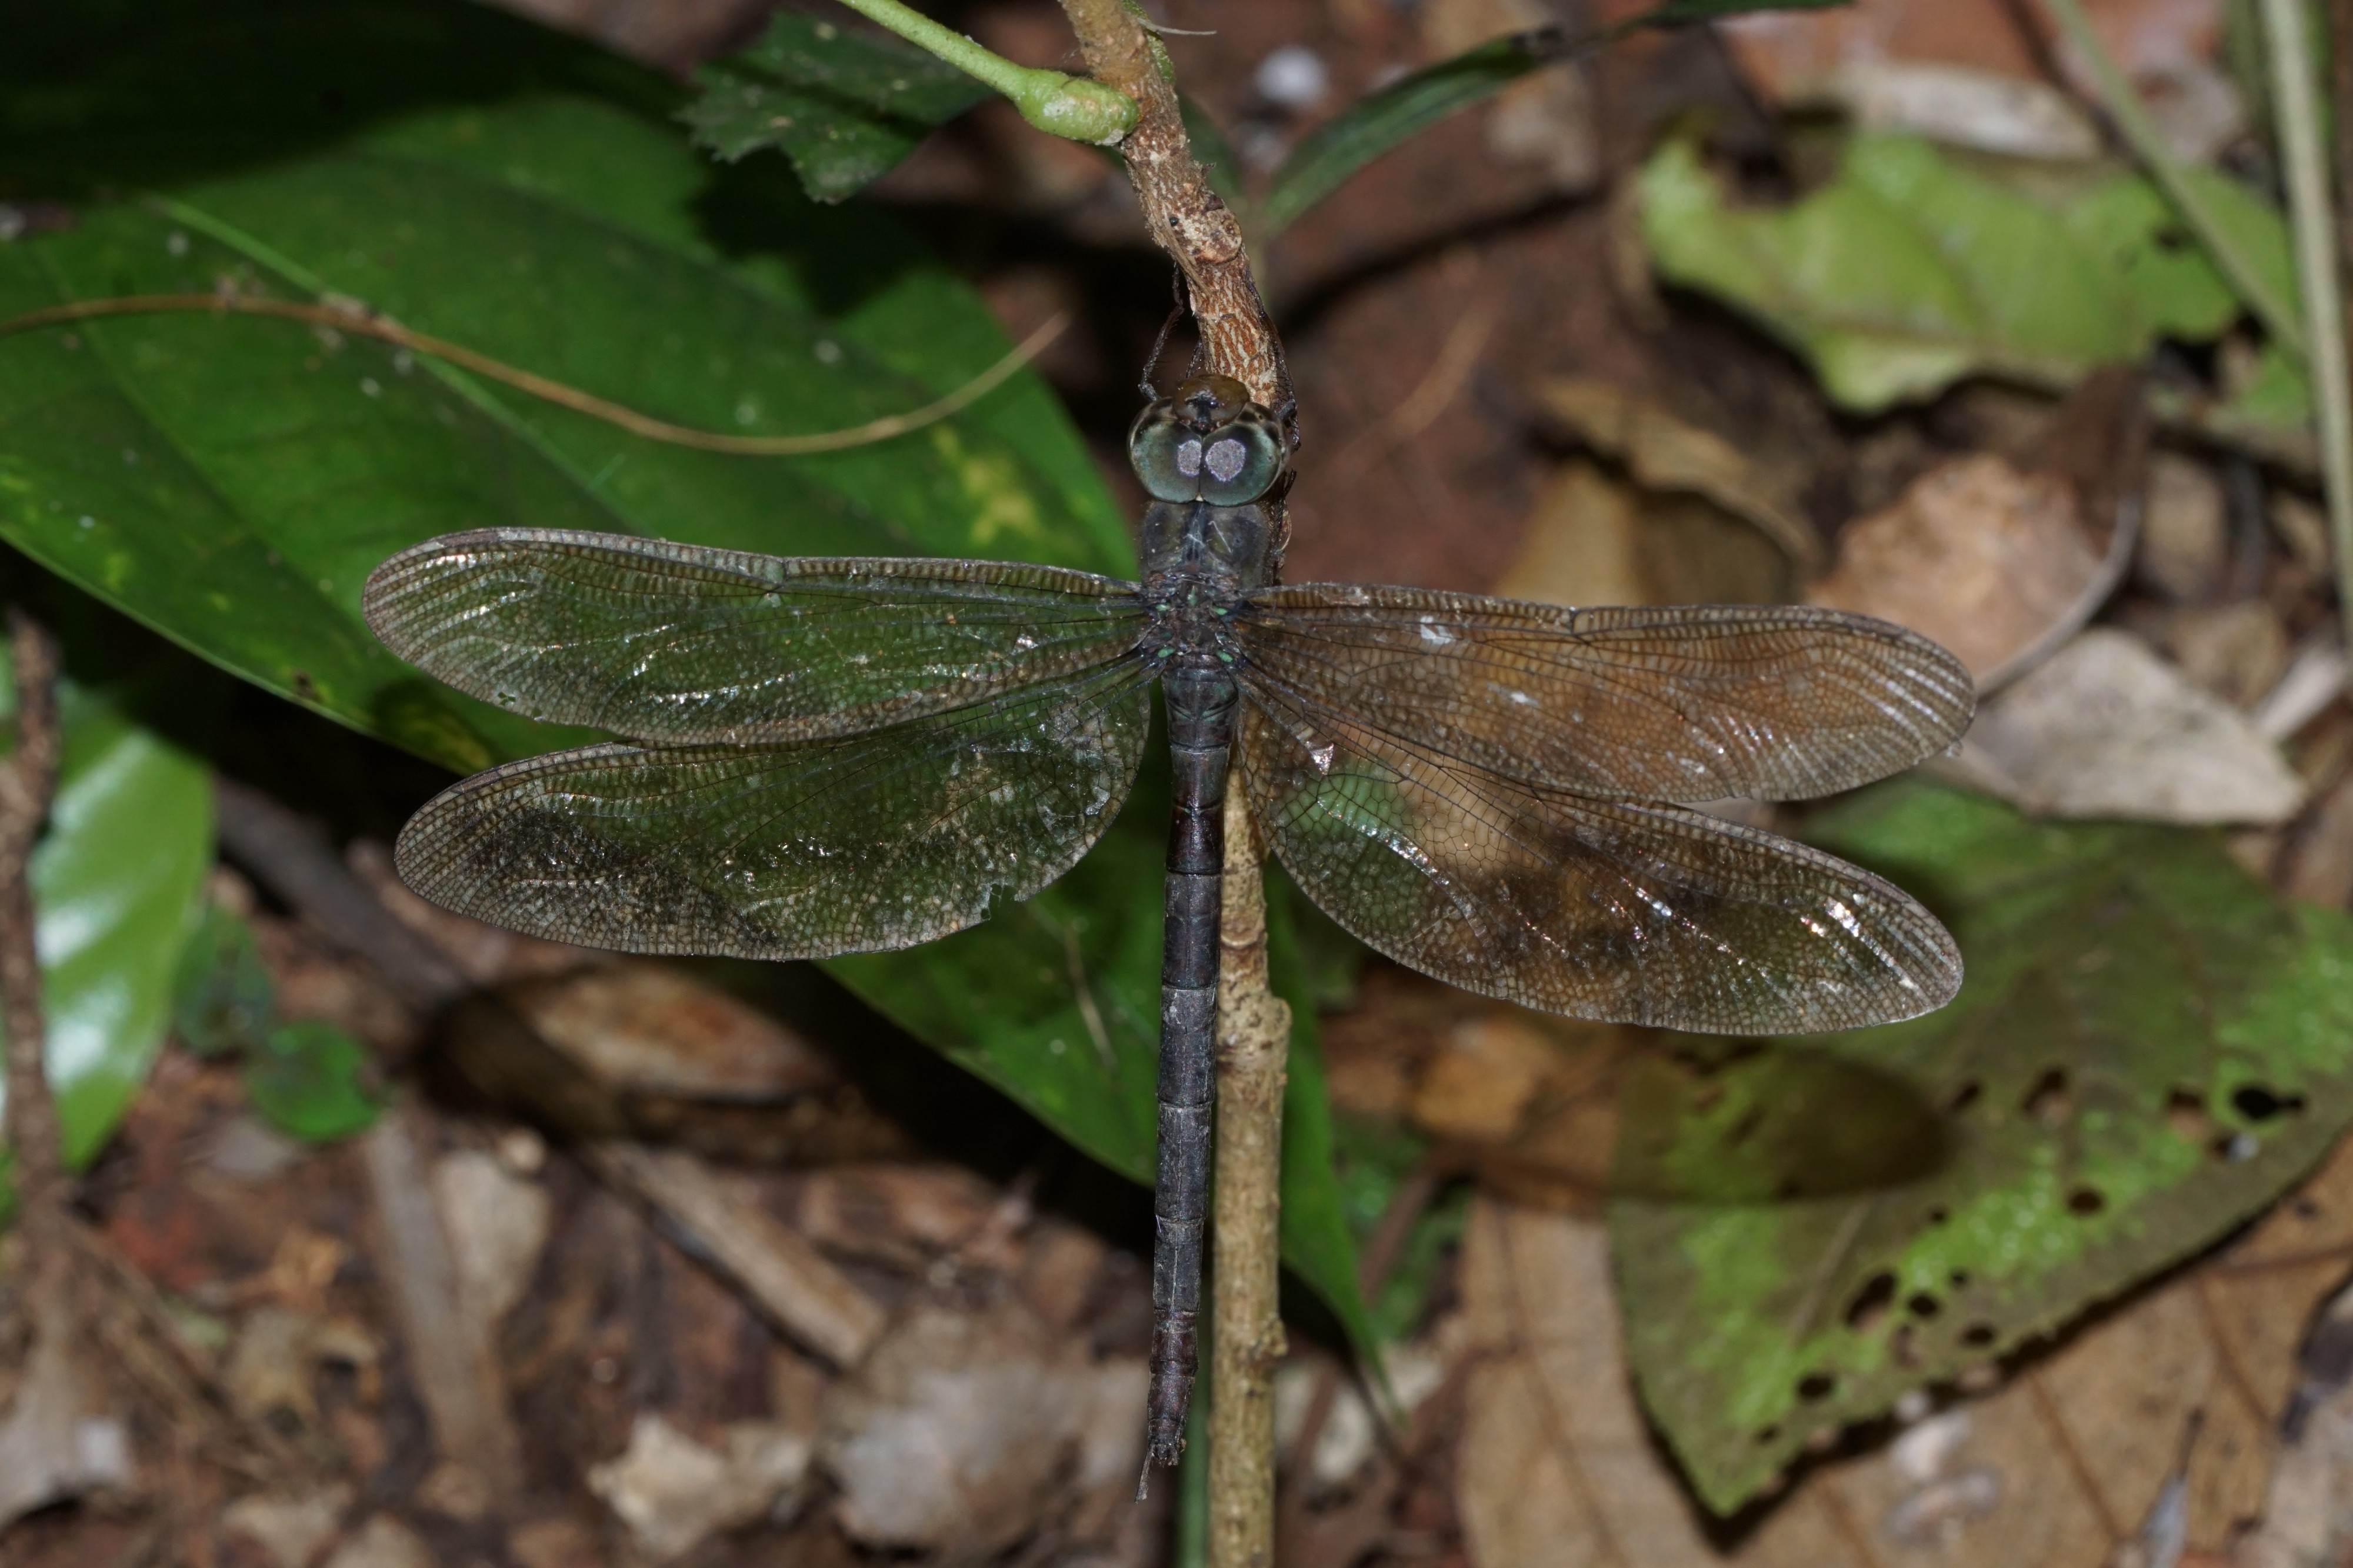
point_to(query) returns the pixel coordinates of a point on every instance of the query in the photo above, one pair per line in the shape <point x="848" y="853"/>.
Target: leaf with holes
<point x="2147" y="1049"/>
<point x="844" y="107"/>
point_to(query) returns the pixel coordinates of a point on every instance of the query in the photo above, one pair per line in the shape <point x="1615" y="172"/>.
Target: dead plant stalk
<point x="1238" y="339"/>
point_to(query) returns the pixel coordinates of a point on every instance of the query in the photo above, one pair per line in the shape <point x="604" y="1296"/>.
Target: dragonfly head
<point x="1207" y="441"/>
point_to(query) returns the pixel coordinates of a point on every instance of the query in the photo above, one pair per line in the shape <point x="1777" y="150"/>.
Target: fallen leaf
<point x="674" y="1493"/>
<point x="2147" y="1048"/>
<point x="1909" y="270"/>
<point x="60" y="1437"/>
<point x="2237" y="652"/>
<point x="960" y="1428"/>
<point x="2064" y="1465"/>
<point x="2107" y="728"/>
<point x="289" y="1529"/>
<point x="2185" y="538"/>
<point x="384" y="1542"/>
<point x="1976" y="554"/>
<point x="1665" y="453"/>
<point x="1596" y="540"/>
<point x="649" y="1028"/>
<point x="498" y="1225"/>
<point x="1986" y="110"/>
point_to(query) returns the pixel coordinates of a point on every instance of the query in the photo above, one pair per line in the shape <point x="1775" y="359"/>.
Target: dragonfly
<point x="827" y="755"/>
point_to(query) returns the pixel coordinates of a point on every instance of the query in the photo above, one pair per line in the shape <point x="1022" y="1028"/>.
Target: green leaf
<point x="1907" y="271"/>
<point x="2147" y="1049"/>
<point x="231" y="482"/>
<point x="311" y="1080"/>
<point x="115" y="884"/>
<point x="844" y="107"/>
<point x="1379" y="123"/>
<point x="222" y="996"/>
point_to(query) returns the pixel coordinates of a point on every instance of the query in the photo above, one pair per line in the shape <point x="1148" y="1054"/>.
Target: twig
<point x="1245" y="1339"/>
<point x="293" y="859"/>
<point x="28" y="783"/>
<point x="2315" y="264"/>
<point x="2132" y="121"/>
<point x="1185" y="216"/>
<point x="1059" y="105"/>
<point x="358" y="319"/>
<point x="449" y="1346"/>
<point x="792" y="1285"/>
<point x="1187" y="219"/>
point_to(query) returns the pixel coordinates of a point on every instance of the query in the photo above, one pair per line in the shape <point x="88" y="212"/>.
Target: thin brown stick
<point x="28" y="783"/>
<point x="1246" y="1341"/>
<point x="1238" y="339"/>
<point x="1186" y="218"/>
<point x="363" y="323"/>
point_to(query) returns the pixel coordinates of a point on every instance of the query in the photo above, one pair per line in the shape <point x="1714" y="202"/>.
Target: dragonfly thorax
<point x="1199" y="563"/>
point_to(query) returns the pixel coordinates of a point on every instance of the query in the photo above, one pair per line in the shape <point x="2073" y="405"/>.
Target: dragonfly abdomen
<point x="1200" y="703"/>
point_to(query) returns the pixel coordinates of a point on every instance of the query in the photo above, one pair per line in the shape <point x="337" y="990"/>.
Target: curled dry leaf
<point x="1976" y="554"/>
<point x="2064" y="1465"/>
<point x="960" y="1429"/>
<point x="2107" y="728"/>
<point x="648" y="1028"/>
<point x="384" y="1542"/>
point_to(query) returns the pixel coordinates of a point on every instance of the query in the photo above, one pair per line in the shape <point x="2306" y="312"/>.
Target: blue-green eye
<point x="1209" y="443"/>
<point x="1240" y="462"/>
<point x="1167" y="453"/>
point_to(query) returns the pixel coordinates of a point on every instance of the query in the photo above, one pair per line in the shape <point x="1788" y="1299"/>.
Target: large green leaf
<point x="231" y="482"/>
<point x="844" y="107"/>
<point x="2147" y="1050"/>
<point x="1908" y="271"/>
<point x="116" y="880"/>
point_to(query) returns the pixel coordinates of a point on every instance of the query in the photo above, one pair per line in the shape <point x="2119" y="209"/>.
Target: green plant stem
<point x="2132" y="121"/>
<point x="2307" y="167"/>
<point x="1074" y="107"/>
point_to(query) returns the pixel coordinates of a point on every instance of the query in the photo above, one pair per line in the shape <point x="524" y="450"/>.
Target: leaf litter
<point x="2075" y="1447"/>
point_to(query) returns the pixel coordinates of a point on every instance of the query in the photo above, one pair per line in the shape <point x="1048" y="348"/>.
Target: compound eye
<point x="1166" y="452"/>
<point x="1240" y="461"/>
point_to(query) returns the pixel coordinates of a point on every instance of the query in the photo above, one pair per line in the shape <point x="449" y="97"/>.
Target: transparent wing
<point x="1597" y="909"/>
<point x="1691" y="703"/>
<point x="678" y="643"/>
<point x="853" y="845"/>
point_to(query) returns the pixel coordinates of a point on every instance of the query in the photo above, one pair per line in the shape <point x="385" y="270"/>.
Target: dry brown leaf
<point x="647" y="1029"/>
<point x="960" y="1429"/>
<point x="1595" y="539"/>
<point x="1976" y="554"/>
<point x="2107" y="728"/>
<point x="674" y="1492"/>
<point x="2238" y="652"/>
<point x="2185" y="534"/>
<point x="2058" y="1467"/>
<point x="1667" y="453"/>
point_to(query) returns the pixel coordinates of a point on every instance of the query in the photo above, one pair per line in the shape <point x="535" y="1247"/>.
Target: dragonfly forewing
<point x="1684" y="703"/>
<point x="1588" y="907"/>
<point x="683" y="645"/>
<point x="862" y="844"/>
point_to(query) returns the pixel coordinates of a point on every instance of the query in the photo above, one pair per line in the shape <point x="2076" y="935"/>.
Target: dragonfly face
<point x="839" y="756"/>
